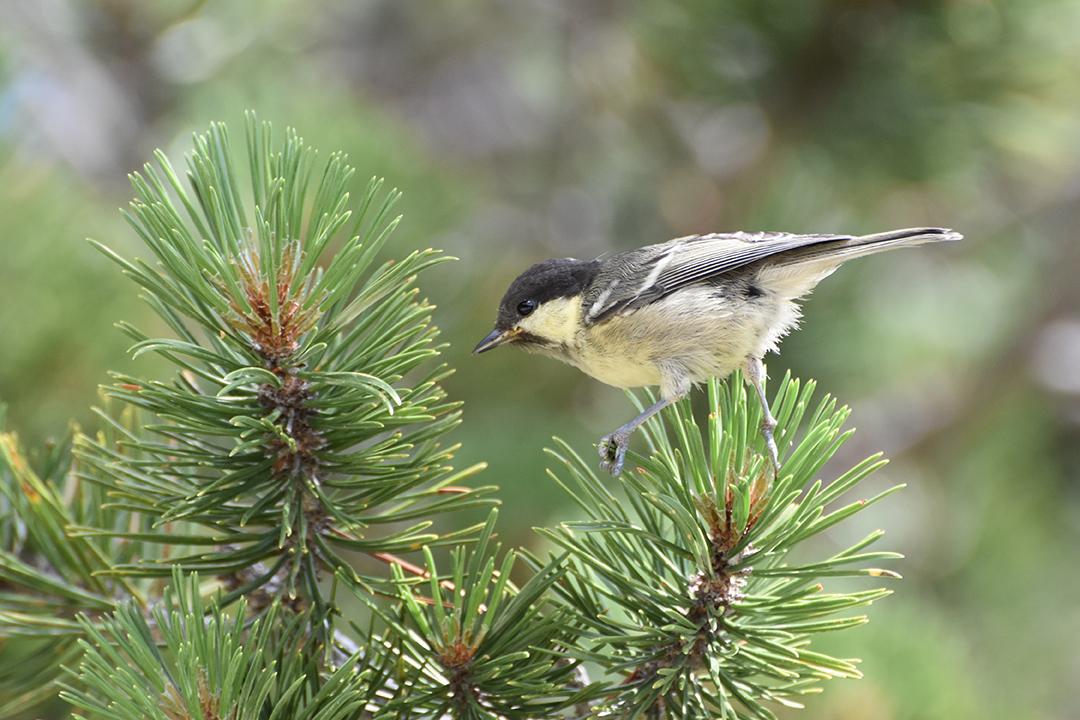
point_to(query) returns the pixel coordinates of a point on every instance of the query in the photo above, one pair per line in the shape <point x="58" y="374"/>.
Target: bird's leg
<point x="755" y="375"/>
<point x="613" y="447"/>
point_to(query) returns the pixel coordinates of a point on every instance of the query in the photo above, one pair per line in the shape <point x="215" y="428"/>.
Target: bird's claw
<point x="612" y="450"/>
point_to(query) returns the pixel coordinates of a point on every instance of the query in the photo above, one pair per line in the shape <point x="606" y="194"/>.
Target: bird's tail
<point x="796" y="272"/>
<point x="855" y="247"/>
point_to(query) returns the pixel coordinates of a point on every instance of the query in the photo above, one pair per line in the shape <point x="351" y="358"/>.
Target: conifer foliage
<point x="253" y="537"/>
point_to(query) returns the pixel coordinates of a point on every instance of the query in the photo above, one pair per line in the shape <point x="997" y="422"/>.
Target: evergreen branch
<point x="190" y="661"/>
<point x="684" y="579"/>
<point x="48" y="573"/>
<point x="305" y="412"/>
<point x="473" y="645"/>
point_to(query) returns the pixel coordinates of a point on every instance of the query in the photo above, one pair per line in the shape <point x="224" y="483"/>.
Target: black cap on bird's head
<point x="544" y="281"/>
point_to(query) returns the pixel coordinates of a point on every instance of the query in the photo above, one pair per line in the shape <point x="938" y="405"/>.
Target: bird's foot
<point x="612" y="450"/>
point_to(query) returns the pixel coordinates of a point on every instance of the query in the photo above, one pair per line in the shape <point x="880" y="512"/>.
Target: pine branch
<point x="48" y="573"/>
<point x="473" y="645"/>
<point x="305" y="422"/>
<point x="189" y="661"/>
<point x="305" y="415"/>
<point x="685" y="579"/>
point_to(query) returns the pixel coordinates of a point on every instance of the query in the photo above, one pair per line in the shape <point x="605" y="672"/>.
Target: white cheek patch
<point x="555" y="321"/>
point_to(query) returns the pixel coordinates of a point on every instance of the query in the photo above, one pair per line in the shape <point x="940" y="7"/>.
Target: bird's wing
<point x="663" y="269"/>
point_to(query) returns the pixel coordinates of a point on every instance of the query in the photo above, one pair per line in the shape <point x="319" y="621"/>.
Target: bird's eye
<point x="525" y="307"/>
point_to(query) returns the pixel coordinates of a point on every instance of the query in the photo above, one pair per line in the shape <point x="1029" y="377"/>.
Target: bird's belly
<point x="627" y="369"/>
<point x="678" y="341"/>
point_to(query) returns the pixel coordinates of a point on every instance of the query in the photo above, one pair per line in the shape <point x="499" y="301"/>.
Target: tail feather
<point x="795" y="273"/>
<point x="863" y="245"/>
<point x="907" y="237"/>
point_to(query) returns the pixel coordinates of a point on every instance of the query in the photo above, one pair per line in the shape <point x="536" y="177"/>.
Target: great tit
<point x="678" y="313"/>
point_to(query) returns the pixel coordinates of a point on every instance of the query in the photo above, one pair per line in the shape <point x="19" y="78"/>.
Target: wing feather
<point x="658" y="270"/>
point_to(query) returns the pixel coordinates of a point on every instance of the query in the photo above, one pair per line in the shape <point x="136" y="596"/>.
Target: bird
<point x="678" y="313"/>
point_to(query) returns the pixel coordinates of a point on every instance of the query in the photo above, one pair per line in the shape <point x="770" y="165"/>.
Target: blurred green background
<point x="527" y="129"/>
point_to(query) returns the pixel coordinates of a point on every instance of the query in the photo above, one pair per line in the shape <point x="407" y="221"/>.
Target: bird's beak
<point x="496" y="338"/>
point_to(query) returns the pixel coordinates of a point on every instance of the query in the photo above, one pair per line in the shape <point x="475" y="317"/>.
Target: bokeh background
<point x="527" y="129"/>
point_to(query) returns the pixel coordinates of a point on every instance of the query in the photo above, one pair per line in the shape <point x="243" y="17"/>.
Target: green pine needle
<point x="690" y="577"/>
<point x="472" y="644"/>
<point x="191" y="661"/>
<point x="305" y="407"/>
